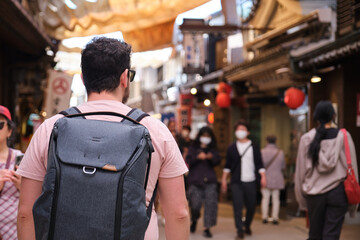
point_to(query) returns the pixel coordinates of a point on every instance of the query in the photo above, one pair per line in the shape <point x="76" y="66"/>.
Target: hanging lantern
<point x="224" y="87"/>
<point x="223" y="100"/>
<point x="294" y="97"/>
<point x="211" y="118"/>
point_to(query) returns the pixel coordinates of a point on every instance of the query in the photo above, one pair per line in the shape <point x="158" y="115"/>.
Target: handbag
<point x="352" y="188"/>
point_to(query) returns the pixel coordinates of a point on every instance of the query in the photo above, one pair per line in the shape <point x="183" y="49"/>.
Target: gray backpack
<point x="96" y="178"/>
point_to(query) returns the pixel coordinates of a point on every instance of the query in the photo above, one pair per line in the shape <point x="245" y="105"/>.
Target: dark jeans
<point x="326" y="213"/>
<point x="244" y="193"/>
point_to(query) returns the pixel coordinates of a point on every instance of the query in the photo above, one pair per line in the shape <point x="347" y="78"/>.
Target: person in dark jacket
<point x="244" y="162"/>
<point x="201" y="159"/>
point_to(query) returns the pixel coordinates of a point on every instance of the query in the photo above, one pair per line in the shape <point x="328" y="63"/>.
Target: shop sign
<point x="186" y="100"/>
<point x="194" y="53"/>
<point x="58" y="92"/>
<point x="184" y="116"/>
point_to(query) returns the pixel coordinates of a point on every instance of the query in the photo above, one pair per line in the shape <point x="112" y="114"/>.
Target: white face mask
<point x="205" y="140"/>
<point x="185" y="133"/>
<point x="241" y="134"/>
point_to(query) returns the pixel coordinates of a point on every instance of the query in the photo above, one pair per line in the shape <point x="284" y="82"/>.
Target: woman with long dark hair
<point x="320" y="172"/>
<point x="202" y="158"/>
<point x="9" y="179"/>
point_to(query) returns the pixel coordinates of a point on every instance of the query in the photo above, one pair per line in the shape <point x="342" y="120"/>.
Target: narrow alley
<point x="290" y="227"/>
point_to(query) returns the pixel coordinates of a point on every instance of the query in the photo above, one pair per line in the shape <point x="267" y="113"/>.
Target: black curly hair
<point x="103" y="61"/>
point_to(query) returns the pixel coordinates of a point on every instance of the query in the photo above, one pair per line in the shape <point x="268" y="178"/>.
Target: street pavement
<point x="290" y="227"/>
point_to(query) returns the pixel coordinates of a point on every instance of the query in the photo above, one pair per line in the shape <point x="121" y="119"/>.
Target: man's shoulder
<point x="155" y="126"/>
<point x="232" y="147"/>
<point x="255" y="145"/>
<point x="49" y="123"/>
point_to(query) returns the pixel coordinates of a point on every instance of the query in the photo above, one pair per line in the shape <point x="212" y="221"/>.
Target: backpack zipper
<point x="117" y="232"/>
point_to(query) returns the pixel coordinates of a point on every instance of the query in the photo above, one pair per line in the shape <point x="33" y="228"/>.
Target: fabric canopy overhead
<point x="145" y="24"/>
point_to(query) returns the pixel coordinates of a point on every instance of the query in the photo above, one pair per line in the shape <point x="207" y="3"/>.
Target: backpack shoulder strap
<point x="136" y="114"/>
<point x="69" y="111"/>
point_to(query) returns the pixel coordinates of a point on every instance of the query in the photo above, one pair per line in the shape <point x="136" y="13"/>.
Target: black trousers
<point x="244" y="194"/>
<point x="207" y="196"/>
<point x="326" y="214"/>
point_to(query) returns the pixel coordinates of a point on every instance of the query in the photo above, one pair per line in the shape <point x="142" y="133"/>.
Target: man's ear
<point x="124" y="78"/>
<point x="82" y="79"/>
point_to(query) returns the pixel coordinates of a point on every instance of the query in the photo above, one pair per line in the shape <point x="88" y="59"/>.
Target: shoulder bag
<point x="352" y="188"/>
<point x="272" y="160"/>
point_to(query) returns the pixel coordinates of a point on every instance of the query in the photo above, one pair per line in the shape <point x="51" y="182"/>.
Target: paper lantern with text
<point x="294" y="97"/>
<point x="223" y="100"/>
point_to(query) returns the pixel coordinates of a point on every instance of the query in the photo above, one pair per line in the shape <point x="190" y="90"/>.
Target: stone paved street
<point x="290" y="227"/>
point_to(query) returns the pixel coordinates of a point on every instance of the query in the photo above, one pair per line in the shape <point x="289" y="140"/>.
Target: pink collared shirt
<point x="167" y="161"/>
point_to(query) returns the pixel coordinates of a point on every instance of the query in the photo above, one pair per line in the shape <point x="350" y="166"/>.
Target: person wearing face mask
<point x="202" y="158"/>
<point x="244" y="162"/>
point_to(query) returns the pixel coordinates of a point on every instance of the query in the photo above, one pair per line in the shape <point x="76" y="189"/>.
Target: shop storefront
<point x="262" y="81"/>
<point x="26" y="53"/>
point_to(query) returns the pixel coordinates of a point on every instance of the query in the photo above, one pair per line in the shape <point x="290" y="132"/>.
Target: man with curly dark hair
<point x="106" y="73"/>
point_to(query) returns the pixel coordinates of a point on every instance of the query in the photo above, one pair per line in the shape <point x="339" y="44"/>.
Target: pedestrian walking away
<point x="320" y="173"/>
<point x="202" y="157"/>
<point x="244" y="162"/>
<point x="107" y="74"/>
<point x="274" y="163"/>
<point x="9" y="179"/>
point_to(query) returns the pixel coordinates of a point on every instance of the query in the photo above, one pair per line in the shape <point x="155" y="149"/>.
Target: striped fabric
<point x="8" y="207"/>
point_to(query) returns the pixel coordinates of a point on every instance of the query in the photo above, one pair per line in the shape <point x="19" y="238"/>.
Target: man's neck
<point x="104" y="96"/>
<point x="245" y="140"/>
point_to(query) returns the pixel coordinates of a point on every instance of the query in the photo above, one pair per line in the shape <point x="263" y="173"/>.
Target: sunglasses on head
<point x="131" y="75"/>
<point x="2" y="124"/>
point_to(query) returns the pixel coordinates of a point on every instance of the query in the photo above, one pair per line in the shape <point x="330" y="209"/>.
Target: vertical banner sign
<point x="184" y="111"/>
<point x="58" y="92"/>
<point x="184" y="116"/>
<point x="194" y="53"/>
<point x="358" y="110"/>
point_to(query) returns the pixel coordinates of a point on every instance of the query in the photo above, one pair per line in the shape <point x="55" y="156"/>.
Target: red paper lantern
<point x="294" y="97"/>
<point x="223" y="87"/>
<point x="211" y="118"/>
<point x="223" y="100"/>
